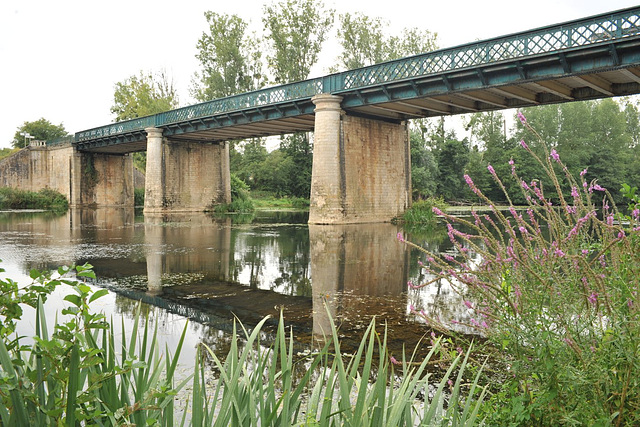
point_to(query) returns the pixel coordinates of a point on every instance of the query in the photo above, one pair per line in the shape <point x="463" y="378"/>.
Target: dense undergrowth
<point x="556" y="291"/>
<point x="11" y="198"/>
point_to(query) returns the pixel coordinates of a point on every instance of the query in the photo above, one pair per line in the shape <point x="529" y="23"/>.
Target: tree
<point x="296" y="30"/>
<point x="364" y="41"/>
<point x="41" y="130"/>
<point x="143" y="95"/>
<point x="230" y="59"/>
<point x="424" y="169"/>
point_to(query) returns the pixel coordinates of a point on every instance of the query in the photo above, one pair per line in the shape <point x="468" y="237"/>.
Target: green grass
<point x="264" y="200"/>
<point x="11" y="198"/>
<point x="421" y="212"/>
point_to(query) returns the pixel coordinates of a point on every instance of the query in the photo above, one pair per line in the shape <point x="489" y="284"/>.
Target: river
<point x="213" y="269"/>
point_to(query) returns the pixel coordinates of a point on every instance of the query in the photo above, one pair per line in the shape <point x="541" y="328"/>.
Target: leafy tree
<point x="452" y="156"/>
<point x="41" y="129"/>
<point x="230" y="59"/>
<point x="296" y="30"/>
<point x="143" y="95"/>
<point x="364" y="41"/>
<point x="424" y="169"/>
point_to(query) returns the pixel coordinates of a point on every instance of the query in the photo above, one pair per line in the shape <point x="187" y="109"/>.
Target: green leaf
<point x="74" y="299"/>
<point x="98" y="294"/>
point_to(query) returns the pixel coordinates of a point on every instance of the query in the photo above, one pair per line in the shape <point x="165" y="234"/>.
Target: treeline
<point x="600" y="137"/>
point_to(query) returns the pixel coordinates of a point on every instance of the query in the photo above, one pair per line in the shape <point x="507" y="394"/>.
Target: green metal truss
<point x="443" y="70"/>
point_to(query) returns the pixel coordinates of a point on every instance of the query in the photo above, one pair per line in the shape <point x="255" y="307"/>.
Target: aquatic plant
<point x="556" y="292"/>
<point x="82" y="375"/>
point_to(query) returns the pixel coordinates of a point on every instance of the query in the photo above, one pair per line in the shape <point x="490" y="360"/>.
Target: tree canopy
<point x="41" y="129"/>
<point x="143" y="95"/>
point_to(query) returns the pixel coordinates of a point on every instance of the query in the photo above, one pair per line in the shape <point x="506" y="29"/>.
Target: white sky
<point x="60" y="59"/>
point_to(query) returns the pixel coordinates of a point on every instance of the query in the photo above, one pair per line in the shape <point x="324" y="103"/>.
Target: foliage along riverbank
<point x="562" y="307"/>
<point x="78" y="372"/>
<point x="11" y="198"/>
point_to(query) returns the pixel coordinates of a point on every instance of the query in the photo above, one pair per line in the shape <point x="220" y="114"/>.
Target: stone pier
<point x="184" y="176"/>
<point x="361" y="167"/>
<point x="86" y="179"/>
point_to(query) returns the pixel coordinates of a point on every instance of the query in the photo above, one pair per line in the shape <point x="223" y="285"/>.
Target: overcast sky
<point x="60" y="59"/>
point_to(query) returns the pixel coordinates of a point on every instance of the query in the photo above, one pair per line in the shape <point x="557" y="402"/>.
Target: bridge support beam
<point x="361" y="167"/>
<point x="183" y="176"/>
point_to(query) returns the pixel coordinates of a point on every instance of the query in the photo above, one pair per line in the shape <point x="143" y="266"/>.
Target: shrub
<point x="138" y="197"/>
<point x="240" y="198"/>
<point x="421" y="212"/>
<point x="11" y="198"/>
<point x="556" y="290"/>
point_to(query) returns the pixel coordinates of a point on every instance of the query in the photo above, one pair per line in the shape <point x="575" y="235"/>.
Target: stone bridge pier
<point x="184" y="176"/>
<point x="361" y="167"/>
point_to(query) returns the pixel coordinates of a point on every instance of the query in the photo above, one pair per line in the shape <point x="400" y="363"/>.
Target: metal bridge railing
<point x="554" y="38"/>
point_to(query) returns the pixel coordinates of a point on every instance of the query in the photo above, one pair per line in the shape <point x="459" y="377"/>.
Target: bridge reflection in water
<point x="212" y="270"/>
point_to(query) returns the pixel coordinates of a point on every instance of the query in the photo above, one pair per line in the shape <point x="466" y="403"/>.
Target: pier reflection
<point x="354" y="260"/>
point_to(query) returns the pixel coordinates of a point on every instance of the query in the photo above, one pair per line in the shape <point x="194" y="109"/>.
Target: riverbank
<point x="11" y="198"/>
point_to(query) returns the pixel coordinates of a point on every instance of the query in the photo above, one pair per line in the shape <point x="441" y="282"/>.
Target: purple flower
<point x="554" y="154"/>
<point x="621" y="235"/>
<point x="400" y="238"/>
<point x="609" y="220"/>
<point x="522" y="118"/>
<point x="584" y="172"/>
<point x="394" y="361"/>
<point x="524" y="144"/>
<point x="468" y="304"/>
<point x="597" y="187"/>
<point x="635" y="213"/>
<point x="491" y="170"/>
<point x="559" y="253"/>
<point x="437" y="211"/>
<point x="574" y="192"/>
<point x="593" y="298"/>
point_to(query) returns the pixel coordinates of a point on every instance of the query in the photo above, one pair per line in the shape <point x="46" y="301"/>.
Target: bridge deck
<point x="589" y="58"/>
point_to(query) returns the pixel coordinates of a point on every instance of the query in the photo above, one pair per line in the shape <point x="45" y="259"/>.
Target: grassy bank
<point x="11" y="198"/>
<point x="266" y="200"/>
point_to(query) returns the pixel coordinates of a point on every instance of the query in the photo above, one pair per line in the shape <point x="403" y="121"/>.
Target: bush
<point x="138" y="197"/>
<point x="240" y="198"/>
<point x="421" y="212"/>
<point x="556" y="291"/>
<point x="11" y="198"/>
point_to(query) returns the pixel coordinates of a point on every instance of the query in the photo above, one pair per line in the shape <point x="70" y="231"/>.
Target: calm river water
<point x="210" y="270"/>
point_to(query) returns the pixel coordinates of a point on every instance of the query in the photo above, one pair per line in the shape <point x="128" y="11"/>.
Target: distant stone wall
<point x="86" y="179"/>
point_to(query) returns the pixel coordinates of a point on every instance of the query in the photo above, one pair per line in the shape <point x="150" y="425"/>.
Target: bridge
<point x="361" y="164"/>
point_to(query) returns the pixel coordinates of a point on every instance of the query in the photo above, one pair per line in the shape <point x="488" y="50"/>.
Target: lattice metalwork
<point x="548" y="40"/>
<point x="116" y="128"/>
<point x="60" y="141"/>
<point x="275" y="95"/>
<point x="543" y="41"/>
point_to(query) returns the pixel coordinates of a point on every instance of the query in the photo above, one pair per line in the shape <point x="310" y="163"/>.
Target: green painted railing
<point x="563" y="37"/>
<point x="69" y="139"/>
<point x="546" y="40"/>
<point x="270" y="96"/>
